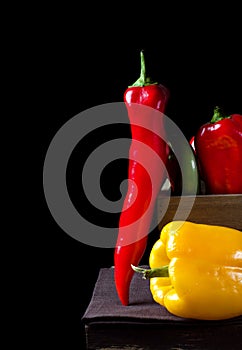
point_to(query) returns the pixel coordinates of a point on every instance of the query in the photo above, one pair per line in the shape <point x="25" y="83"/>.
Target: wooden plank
<point x="224" y="210"/>
<point x="162" y="337"/>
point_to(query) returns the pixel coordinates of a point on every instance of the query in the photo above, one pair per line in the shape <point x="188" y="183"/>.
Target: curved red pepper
<point x="218" y="146"/>
<point x="138" y="206"/>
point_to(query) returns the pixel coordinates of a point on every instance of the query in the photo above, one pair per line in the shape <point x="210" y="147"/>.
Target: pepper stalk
<point x="154" y="272"/>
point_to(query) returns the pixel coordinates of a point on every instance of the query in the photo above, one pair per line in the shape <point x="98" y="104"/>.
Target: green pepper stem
<point x="143" y="68"/>
<point x="143" y="79"/>
<point x="218" y="115"/>
<point x="150" y="273"/>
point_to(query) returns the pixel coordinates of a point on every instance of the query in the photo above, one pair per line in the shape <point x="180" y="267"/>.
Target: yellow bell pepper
<point x="196" y="270"/>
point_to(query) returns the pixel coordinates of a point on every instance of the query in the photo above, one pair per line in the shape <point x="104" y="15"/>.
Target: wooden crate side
<point x="224" y="210"/>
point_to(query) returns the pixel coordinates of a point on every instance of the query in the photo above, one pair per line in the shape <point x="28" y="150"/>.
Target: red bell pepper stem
<point x="145" y="173"/>
<point x="218" y="115"/>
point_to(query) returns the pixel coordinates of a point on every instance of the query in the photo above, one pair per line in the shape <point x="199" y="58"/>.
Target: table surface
<point x="144" y="324"/>
<point x="105" y="305"/>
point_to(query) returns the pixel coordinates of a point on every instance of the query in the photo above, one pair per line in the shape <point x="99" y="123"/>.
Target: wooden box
<point x="225" y="210"/>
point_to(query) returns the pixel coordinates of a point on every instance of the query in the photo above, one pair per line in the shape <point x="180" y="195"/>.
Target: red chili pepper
<point x="138" y="206"/>
<point x="218" y="146"/>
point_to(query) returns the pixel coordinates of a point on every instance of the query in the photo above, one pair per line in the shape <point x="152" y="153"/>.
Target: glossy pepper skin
<point x="218" y="147"/>
<point x="196" y="270"/>
<point x="138" y="206"/>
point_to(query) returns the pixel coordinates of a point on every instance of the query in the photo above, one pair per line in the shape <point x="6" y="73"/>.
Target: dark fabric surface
<point x="105" y="306"/>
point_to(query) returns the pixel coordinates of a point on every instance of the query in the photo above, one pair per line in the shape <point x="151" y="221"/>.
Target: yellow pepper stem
<point x="155" y="272"/>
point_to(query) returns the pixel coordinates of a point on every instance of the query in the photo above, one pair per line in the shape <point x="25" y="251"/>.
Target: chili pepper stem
<point x="143" y="79"/>
<point x="150" y="273"/>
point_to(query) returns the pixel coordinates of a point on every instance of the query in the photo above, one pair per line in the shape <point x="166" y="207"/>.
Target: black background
<point x="69" y="76"/>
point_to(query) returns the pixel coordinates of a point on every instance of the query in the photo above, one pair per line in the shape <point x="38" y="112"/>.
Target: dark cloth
<point x="105" y="306"/>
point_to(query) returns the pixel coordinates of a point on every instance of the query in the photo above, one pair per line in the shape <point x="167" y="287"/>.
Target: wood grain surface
<point x="225" y="210"/>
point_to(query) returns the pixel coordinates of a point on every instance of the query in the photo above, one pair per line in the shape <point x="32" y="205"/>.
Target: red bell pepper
<point x="192" y="143"/>
<point x="218" y="146"/>
<point x="145" y="173"/>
